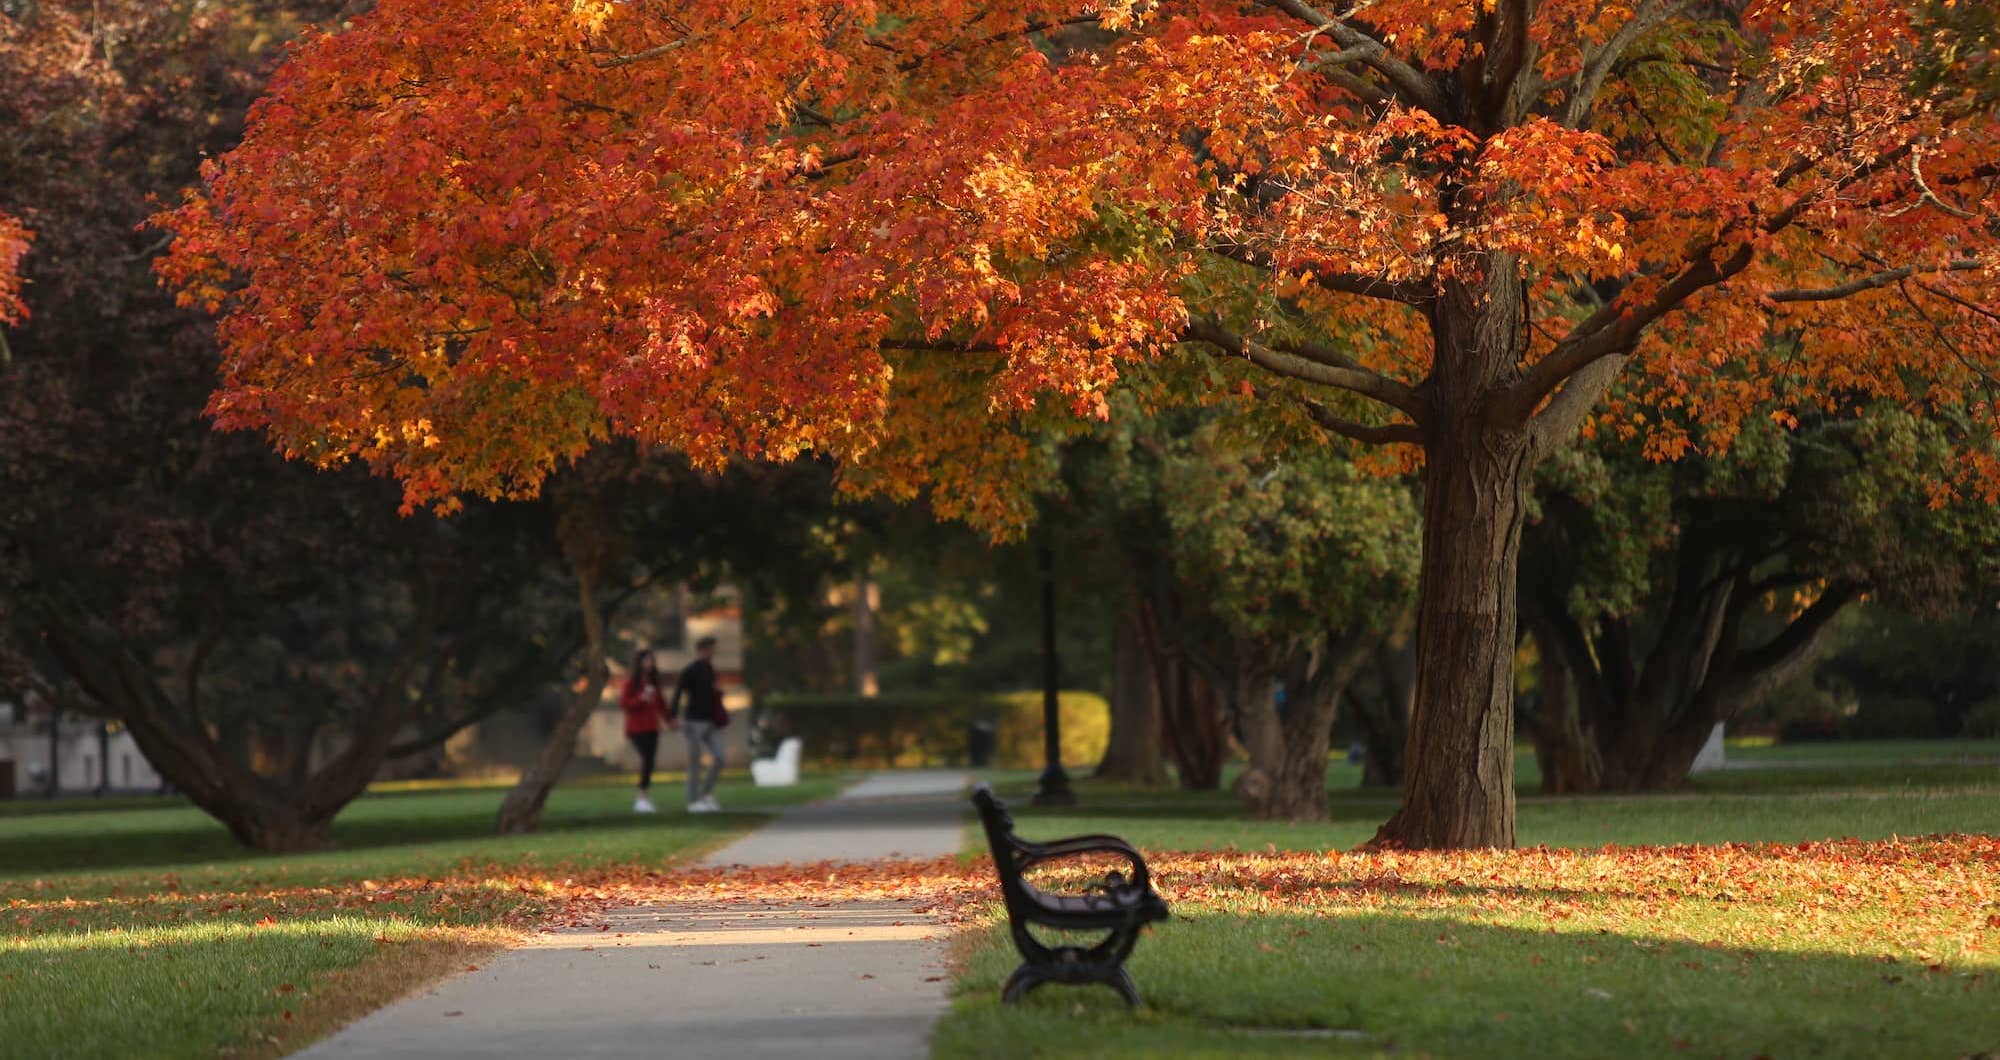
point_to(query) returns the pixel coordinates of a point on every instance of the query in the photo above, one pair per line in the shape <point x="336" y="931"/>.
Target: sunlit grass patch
<point x="173" y="943"/>
<point x="1852" y="948"/>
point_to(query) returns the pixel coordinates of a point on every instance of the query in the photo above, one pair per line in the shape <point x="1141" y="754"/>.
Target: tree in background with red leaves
<point x="764" y="229"/>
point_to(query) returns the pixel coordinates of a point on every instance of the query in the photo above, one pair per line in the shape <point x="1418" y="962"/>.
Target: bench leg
<point x="1102" y="963"/>
<point x="1129" y="990"/>
<point x="1025" y="978"/>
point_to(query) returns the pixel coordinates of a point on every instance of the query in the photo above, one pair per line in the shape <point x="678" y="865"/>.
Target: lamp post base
<point x="1055" y="789"/>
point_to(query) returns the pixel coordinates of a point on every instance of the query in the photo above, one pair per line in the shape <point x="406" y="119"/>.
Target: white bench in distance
<point x="780" y="770"/>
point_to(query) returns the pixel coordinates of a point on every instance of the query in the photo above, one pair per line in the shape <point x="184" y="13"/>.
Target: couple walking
<point x="646" y="707"/>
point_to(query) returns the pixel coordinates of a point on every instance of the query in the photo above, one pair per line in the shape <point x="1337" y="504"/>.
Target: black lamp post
<point x="1055" y="790"/>
<point x="103" y="758"/>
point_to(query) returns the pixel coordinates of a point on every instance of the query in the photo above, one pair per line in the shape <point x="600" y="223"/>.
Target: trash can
<point x="980" y="742"/>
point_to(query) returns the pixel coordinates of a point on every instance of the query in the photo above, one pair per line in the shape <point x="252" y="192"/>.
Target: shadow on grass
<point x="1223" y="985"/>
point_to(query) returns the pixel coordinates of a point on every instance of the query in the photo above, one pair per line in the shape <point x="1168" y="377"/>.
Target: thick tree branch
<point x="1560" y="419"/>
<point x="1506" y="71"/>
<point x="1029" y="29"/>
<point x="1365" y="433"/>
<point x="527" y="672"/>
<point x="615" y="61"/>
<point x="1871" y="282"/>
<point x="937" y="346"/>
<point x="1777" y="658"/>
<point x="1597" y="65"/>
<point x="1327" y="279"/>
<point x="1617" y="325"/>
<point x="1354" y="380"/>
<point x="1749" y="675"/>
<point x="1613" y="328"/>
<point x="1410" y="83"/>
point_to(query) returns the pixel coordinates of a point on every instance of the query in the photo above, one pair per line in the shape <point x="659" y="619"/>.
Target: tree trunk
<point x="1605" y="726"/>
<point x="1253" y="703"/>
<point x="1566" y="751"/>
<point x="1459" y="787"/>
<point x="270" y="824"/>
<point x="1191" y="721"/>
<point x="864" y="636"/>
<point x="1133" y="754"/>
<point x="1384" y="719"/>
<point x="521" y="810"/>
<point x="1298" y="791"/>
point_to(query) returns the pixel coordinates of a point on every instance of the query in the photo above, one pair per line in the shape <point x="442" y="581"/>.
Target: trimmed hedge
<point x="929" y="729"/>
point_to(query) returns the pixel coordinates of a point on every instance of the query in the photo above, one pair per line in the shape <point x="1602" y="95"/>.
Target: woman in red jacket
<point x="644" y="708"/>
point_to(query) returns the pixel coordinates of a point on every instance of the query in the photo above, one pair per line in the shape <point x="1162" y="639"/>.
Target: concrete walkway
<point x="733" y="981"/>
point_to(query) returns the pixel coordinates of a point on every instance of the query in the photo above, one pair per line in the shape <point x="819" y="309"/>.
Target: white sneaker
<point x="643" y="805"/>
<point x="705" y="804"/>
<point x="713" y="806"/>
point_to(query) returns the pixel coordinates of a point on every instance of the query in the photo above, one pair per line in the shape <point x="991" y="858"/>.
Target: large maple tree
<point x="464" y="240"/>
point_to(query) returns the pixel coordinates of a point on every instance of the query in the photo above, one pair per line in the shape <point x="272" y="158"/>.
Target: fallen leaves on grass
<point x="1934" y="901"/>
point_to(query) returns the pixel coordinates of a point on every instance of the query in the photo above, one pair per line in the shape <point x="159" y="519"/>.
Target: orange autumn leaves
<point x="1932" y="901"/>
<point x="735" y="228"/>
<point x="14" y="240"/>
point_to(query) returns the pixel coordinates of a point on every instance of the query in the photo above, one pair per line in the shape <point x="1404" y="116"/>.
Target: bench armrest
<point x="1037" y="853"/>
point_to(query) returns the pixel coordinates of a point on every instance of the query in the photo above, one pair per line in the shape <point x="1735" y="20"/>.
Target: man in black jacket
<point x="703" y="726"/>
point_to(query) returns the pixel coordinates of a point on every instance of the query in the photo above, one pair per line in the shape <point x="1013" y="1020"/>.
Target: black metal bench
<point x="1115" y="903"/>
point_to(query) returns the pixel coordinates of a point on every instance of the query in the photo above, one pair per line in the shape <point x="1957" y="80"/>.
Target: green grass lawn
<point x="1863" y="789"/>
<point x="142" y="929"/>
<point x="1788" y="947"/>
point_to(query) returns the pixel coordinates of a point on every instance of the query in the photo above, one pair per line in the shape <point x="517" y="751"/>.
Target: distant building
<point x="86" y="758"/>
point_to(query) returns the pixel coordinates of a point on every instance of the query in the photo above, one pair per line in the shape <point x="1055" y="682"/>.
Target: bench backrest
<point x="789" y="750"/>
<point x="999" y="826"/>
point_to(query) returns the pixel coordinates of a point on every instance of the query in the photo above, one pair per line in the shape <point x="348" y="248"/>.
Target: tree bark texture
<point x="1458" y="790"/>
<point x="1253" y="705"/>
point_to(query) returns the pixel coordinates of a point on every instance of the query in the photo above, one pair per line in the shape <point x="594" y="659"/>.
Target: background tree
<point x="1243" y="564"/>
<point x="1304" y="562"/>
<point x="1446" y="226"/>
<point x="1665" y="599"/>
<point x="269" y="636"/>
<point x="1909" y="677"/>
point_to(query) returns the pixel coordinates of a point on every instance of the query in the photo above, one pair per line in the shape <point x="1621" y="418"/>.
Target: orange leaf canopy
<point x="14" y="239"/>
<point x="465" y="239"/>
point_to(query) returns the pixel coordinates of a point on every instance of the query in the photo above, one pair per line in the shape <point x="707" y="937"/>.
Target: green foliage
<point x="928" y="729"/>
<point x="1286" y="547"/>
<point x="1912" y="678"/>
<point x="1982" y="720"/>
<point x="1854" y="500"/>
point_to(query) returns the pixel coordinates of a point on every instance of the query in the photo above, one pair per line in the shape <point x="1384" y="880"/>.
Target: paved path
<point x="738" y="982"/>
